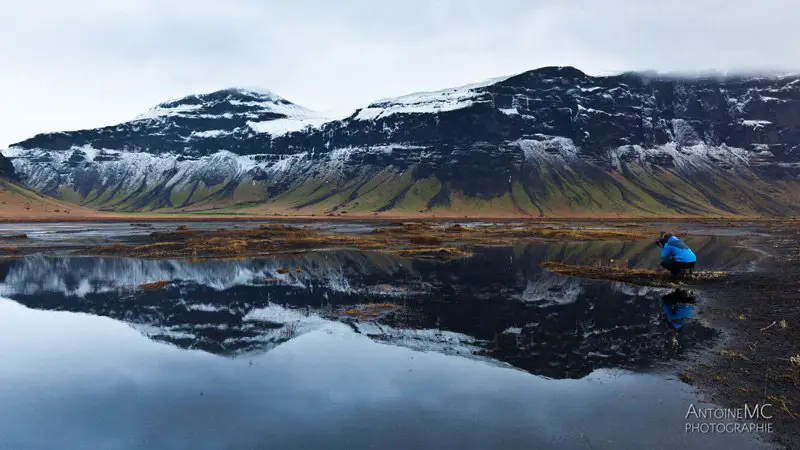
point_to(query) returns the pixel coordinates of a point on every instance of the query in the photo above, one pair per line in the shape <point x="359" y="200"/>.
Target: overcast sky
<point x="82" y="64"/>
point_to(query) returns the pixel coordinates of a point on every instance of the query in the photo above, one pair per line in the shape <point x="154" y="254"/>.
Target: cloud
<point x="81" y="64"/>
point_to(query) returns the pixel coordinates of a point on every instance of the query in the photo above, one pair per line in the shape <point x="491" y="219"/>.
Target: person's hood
<point x="673" y="239"/>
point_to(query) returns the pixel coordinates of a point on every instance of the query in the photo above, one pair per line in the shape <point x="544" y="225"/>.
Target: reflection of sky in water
<point x="74" y="381"/>
<point x="88" y="232"/>
<point x="302" y="380"/>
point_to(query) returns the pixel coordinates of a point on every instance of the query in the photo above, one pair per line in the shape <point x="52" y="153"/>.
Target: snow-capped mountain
<point x="545" y="142"/>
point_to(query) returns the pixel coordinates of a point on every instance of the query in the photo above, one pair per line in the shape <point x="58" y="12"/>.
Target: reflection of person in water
<point x="675" y="255"/>
<point x="676" y="307"/>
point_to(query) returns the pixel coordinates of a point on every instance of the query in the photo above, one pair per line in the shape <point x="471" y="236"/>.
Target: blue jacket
<point x="676" y="314"/>
<point x="678" y="251"/>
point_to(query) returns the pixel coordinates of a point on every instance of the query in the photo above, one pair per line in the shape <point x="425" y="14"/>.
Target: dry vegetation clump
<point x="154" y="286"/>
<point x="14" y="237"/>
<point x="410" y="228"/>
<point x="231" y="243"/>
<point x="707" y="276"/>
<point x="283" y="271"/>
<point x="580" y="234"/>
<point x="599" y="271"/>
<point x="457" y="228"/>
<point x="8" y="250"/>
<point x="440" y="253"/>
<point x="111" y="249"/>
<point x="418" y="224"/>
<point x="413" y="239"/>
<point x="371" y="311"/>
<point x="372" y="245"/>
<point x="425" y="240"/>
<point x="643" y="277"/>
<point x="479" y="235"/>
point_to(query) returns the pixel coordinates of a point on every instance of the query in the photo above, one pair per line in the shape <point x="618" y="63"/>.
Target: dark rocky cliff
<point x="6" y="168"/>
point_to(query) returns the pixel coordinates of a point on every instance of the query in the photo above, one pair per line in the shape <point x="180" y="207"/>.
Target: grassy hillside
<point x="554" y="195"/>
<point x="19" y="203"/>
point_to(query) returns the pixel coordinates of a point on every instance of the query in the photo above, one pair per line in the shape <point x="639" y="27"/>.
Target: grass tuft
<point x="644" y="277"/>
<point x="370" y="311"/>
<point x="154" y="286"/>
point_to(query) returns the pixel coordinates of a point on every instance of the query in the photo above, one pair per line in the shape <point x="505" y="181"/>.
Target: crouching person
<point x="676" y="256"/>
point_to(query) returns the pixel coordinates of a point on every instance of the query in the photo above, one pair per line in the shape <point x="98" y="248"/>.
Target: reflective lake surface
<point x="484" y="352"/>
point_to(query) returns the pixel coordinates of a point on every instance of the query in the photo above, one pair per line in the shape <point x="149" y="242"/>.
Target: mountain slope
<point x="6" y="167"/>
<point x="18" y="203"/>
<point x="552" y="141"/>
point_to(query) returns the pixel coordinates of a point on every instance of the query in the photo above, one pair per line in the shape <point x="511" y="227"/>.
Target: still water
<point x="489" y="352"/>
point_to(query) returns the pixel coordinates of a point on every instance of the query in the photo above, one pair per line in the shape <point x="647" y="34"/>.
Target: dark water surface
<point x="491" y="352"/>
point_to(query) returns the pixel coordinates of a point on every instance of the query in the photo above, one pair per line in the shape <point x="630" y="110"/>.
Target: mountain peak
<point x="228" y="102"/>
<point x="559" y="71"/>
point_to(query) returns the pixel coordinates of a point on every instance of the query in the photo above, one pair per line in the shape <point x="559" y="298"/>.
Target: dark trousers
<point x="677" y="267"/>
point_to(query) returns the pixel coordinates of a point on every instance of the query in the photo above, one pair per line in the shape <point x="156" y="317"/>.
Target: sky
<point x="68" y="65"/>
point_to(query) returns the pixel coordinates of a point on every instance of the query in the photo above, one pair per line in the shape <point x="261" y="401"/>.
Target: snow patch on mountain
<point x="128" y="169"/>
<point x="210" y="134"/>
<point x="429" y="102"/>
<point x="279" y="127"/>
<point x="690" y="159"/>
<point x="289" y="163"/>
<point x="252" y="102"/>
<point x="550" y="149"/>
<point x="756" y="124"/>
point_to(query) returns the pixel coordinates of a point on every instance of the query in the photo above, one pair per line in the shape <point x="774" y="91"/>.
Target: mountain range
<point x="548" y="142"/>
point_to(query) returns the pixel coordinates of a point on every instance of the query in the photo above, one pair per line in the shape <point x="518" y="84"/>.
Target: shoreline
<point x="758" y="318"/>
<point x="186" y="217"/>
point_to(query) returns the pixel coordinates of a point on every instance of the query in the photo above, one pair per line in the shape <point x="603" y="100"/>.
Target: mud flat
<point x="760" y="310"/>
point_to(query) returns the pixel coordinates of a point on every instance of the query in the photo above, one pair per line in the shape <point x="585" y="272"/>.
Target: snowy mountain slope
<point x="552" y="141"/>
<point x="19" y="203"/>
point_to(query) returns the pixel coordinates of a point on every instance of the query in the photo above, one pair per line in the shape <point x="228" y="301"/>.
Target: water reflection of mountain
<point x="499" y="300"/>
